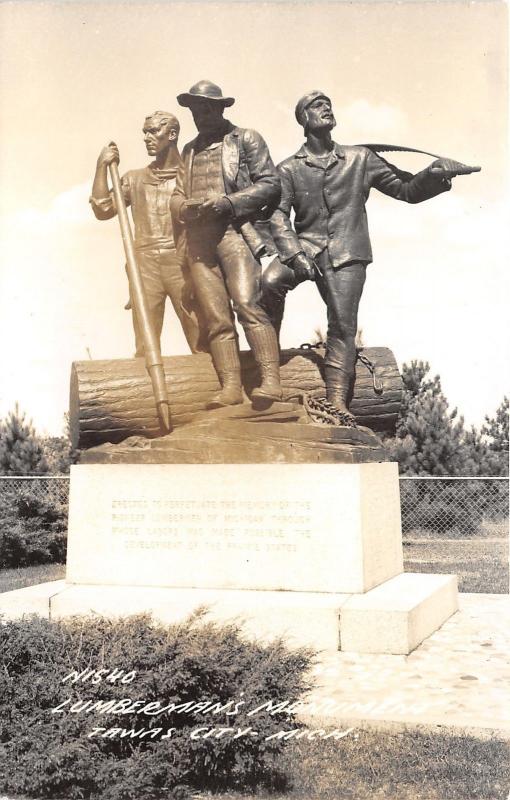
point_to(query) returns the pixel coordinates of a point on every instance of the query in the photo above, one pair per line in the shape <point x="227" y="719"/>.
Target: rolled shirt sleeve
<point x="104" y="207"/>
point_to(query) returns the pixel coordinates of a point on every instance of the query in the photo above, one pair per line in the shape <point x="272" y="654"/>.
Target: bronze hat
<point x="305" y="101"/>
<point x="207" y="90"/>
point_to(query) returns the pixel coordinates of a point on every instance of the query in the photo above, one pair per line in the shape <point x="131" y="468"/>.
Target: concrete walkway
<point x="458" y="678"/>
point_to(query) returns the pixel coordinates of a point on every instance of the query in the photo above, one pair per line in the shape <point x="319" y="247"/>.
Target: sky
<point x="431" y="75"/>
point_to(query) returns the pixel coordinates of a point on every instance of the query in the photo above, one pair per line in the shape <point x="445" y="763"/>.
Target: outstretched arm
<point x="404" y="185"/>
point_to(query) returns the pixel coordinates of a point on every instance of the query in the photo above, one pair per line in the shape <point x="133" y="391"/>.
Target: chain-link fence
<point x="454" y="507"/>
<point x="46" y="488"/>
<point x="458" y="526"/>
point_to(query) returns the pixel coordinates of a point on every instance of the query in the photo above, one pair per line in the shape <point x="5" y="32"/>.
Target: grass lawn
<point x="487" y="530"/>
<point x="481" y="564"/>
<point x="406" y="766"/>
<point x="28" y="576"/>
<point x="370" y="765"/>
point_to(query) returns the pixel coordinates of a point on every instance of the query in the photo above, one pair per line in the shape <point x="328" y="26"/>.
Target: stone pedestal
<point x="311" y="552"/>
<point x="308" y="528"/>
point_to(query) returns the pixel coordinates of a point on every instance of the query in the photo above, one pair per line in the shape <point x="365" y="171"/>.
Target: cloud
<point x="460" y="221"/>
<point x="70" y="207"/>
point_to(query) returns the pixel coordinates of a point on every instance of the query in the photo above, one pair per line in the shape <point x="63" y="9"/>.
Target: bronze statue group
<point x="206" y="221"/>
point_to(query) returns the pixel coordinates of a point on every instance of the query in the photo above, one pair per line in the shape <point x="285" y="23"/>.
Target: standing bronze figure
<point x="326" y="185"/>
<point x="151" y="345"/>
<point x="159" y="255"/>
<point x="226" y="181"/>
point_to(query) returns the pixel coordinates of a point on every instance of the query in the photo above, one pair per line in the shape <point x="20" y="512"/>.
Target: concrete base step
<point x="392" y="618"/>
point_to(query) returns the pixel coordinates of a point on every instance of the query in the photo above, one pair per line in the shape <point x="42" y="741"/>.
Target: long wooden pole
<point x="153" y="360"/>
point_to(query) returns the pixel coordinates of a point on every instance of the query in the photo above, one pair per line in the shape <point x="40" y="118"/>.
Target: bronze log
<point x="112" y="400"/>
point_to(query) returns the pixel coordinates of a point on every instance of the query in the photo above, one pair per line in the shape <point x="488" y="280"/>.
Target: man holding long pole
<point x="159" y="254"/>
<point x="150" y="340"/>
<point x="155" y="267"/>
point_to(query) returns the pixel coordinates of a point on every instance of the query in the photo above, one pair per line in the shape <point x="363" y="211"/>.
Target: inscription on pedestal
<point x="304" y="527"/>
<point x="158" y="524"/>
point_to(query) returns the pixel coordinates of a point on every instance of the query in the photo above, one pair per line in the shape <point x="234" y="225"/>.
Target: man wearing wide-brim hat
<point x="226" y="182"/>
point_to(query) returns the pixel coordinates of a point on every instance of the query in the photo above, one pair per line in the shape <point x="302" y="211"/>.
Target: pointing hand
<point x="448" y="168"/>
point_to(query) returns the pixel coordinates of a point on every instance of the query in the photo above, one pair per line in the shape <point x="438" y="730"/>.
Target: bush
<point x="33" y="529"/>
<point x="59" y="454"/>
<point x="50" y="755"/>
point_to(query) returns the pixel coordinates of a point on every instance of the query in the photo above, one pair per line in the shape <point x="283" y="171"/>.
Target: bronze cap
<point x="305" y="101"/>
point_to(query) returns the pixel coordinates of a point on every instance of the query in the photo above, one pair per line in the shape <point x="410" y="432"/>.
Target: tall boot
<point x="274" y="307"/>
<point x="264" y="345"/>
<point x="338" y="384"/>
<point x="225" y="356"/>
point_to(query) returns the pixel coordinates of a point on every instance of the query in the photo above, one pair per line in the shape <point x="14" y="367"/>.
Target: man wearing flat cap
<point x="327" y="185"/>
<point x="227" y="181"/>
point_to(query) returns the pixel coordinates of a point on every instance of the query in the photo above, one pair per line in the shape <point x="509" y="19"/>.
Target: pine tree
<point x="21" y="452"/>
<point x="495" y="430"/>
<point x="430" y="439"/>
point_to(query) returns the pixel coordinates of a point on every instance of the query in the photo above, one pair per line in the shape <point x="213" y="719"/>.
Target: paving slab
<point x="458" y="678"/>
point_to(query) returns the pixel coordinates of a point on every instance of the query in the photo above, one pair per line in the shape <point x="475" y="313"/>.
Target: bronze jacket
<point x="251" y="180"/>
<point x="328" y="197"/>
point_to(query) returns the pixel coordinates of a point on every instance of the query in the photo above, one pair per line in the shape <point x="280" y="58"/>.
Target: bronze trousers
<point x="341" y="290"/>
<point x="165" y="274"/>
<point x="231" y="274"/>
